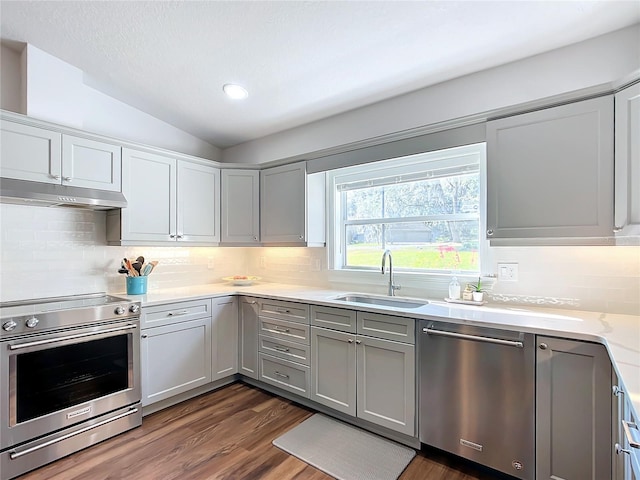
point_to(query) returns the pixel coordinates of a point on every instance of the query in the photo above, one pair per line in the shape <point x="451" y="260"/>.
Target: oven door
<point x="54" y="380"/>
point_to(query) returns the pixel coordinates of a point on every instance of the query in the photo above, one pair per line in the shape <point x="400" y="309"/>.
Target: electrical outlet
<point x="263" y="262"/>
<point x="210" y="263"/>
<point x="507" y="272"/>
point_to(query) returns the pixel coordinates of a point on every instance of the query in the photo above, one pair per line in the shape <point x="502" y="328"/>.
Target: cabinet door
<point x="149" y="185"/>
<point x="573" y="410"/>
<point x="90" y="164"/>
<point x="283" y="204"/>
<point x="248" y="337"/>
<point x="240" y="206"/>
<point x="30" y="153"/>
<point x="175" y="359"/>
<point x="550" y="172"/>
<point x="627" y="162"/>
<point x="198" y="208"/>
<point x="224" y="328"/>
<point x="333" y="369"/>
<point x="387" y="384"/>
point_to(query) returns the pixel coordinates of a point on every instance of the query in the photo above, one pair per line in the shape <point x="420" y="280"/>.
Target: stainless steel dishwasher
<point x="477" y="395"/>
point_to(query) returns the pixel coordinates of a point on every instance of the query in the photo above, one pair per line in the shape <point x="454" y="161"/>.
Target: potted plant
<point x="476" y="289"/>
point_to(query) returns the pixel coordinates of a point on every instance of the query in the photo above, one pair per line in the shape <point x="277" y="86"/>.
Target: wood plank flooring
<point x="224" y="434"/>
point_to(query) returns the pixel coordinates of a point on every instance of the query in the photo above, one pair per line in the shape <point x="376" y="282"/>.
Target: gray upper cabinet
<point x="240" y="207"/>
<point x="40" y="155"/>
<point x="170" y="201"/>
<point x="627" y="161"/>
<point x="292" y="206"/>
<point x="550" y="173"/>
<point x="573" y="410"/>
<point x="198" y="203"/>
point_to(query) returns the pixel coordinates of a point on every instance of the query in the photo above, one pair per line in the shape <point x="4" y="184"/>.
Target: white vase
<point x="478" y="296"/>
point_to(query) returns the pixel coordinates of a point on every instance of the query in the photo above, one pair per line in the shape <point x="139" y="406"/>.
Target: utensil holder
<point x="136" y="285"/>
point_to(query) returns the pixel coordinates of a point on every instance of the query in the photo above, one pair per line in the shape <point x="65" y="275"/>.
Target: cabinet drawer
<point x="399" y="329"/>
<point x="296" y="352"/>
<point x="174" y="313"/>
<point x="290" y="311"/>
<point x="284" y="374"/>
<point x="294" y="332"/>
<point x="334" y="318"/>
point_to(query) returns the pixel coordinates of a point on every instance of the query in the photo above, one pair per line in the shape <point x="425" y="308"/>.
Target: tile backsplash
<point x="49" y="251"/>
<point x="62" y="251"/>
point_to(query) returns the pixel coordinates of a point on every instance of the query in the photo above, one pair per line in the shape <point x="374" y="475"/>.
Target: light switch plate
<point x="507" y="272"/>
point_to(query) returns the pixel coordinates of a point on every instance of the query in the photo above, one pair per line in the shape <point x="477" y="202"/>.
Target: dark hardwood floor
<point x="224" y="434"/>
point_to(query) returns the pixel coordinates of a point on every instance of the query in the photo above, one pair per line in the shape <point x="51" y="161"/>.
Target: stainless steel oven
<point x="69" y="376"/>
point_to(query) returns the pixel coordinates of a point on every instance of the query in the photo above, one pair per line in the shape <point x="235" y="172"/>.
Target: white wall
<point x="586" y="64"/>
<point x="56" y="92"/>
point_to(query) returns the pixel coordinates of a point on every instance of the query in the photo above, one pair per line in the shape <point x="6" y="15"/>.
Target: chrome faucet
<point x="392" y="288"/>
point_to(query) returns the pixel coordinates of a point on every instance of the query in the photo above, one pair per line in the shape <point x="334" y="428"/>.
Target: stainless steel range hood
<point x="23" y="192"/>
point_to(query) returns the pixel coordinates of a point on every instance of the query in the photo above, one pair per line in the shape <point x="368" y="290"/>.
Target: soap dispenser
<point x="454" y="289"/>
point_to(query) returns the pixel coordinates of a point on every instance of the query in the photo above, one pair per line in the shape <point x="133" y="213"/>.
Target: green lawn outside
<point x="413" y="257"/>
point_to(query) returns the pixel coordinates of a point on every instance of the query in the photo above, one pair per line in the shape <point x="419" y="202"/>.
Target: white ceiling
<point x="300" y="60"/>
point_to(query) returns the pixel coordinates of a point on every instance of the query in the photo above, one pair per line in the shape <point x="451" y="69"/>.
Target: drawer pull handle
<point x="181" y="312"/>
<point x="280" y="349"/>
<point x="283" y="310"/>
<point x="280" y="329"/>
<point x="627" y="426"/>
<point x="282" y="375"/>
<point x="620" y="450"/>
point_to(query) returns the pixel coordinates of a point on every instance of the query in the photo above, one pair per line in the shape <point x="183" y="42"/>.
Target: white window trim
<point x="420" y="280"/>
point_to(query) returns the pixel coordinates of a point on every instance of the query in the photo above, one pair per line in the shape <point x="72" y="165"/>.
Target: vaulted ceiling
<point x="300" y="60"/>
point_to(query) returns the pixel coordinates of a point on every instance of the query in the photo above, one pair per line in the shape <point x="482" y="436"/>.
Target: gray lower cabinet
<point x="550" y="173"/>
<point x="248" y="337"/>
<point x="224" y="330"/>
<point x="370" y="378"/>
<point x="573" y="410"/>
<point x="626" y="437"/>
<point x="175" y="349"/>
<point x="284" y="345"/>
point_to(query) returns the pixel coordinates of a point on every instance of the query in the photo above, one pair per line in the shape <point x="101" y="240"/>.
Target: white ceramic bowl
<point x="242" y="281"/>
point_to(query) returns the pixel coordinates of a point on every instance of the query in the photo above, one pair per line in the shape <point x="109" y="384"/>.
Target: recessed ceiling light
<point x="235" y="91"/>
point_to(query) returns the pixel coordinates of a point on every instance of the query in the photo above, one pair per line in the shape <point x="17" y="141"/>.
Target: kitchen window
<point x="427" y="209"/>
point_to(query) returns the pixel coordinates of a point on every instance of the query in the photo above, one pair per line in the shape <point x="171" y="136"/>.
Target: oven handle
<point x="18" y="346"/>
<point x="464" y="336"/>
<point x="15" y="455"/>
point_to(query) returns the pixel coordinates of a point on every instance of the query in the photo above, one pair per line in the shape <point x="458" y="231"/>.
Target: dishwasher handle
<point x="464" y="336"/>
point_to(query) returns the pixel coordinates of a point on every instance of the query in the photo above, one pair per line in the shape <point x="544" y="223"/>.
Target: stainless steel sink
<point x="395" y="302"/>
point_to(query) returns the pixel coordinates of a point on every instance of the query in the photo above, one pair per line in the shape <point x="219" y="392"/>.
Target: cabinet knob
<point x="301" y="237"/>
<point x="171" y="235"/>
<point x="620" y="450"/>
<point x="179" y="235"/>
<point x="543" y="346"/>
<point x="255" y="238"/>
<point x="617" y="391"/>
<point x="144" y="335"/>
<point x="358" y="342"/>
<point x="57" y="177"/>
<point x="490" y="232"/>
<point x="350" y="340"/>
<point x="617" y="229"/>
<point x="68" y="179"/>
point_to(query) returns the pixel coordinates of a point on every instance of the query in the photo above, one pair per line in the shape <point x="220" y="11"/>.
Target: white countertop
<point x="619" y="333"/>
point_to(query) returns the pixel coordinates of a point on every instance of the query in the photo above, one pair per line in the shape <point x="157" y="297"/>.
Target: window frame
<point x="410" y="277"/>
